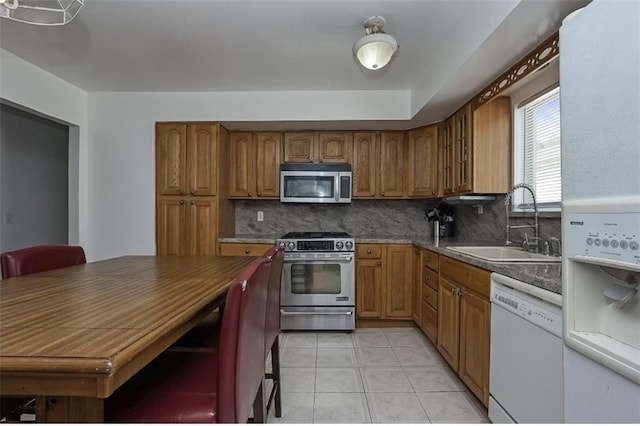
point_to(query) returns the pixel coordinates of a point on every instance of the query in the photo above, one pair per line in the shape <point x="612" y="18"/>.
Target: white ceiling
<point x="449" y="49"/>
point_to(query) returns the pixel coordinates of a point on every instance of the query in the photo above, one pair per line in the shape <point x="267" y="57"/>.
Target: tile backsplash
<point x="384" y="218"/>
<point x="361" y="217"/>
<point x="490" y="226"/>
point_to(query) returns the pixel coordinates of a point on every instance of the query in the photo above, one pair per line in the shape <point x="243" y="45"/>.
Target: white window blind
<point x="538" y="153"/>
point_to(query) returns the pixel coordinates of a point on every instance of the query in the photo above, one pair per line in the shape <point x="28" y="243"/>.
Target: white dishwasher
<point x="526" y="376"/>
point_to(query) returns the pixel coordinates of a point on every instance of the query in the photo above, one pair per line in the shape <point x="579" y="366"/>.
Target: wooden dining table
<point x="72" y="336"/>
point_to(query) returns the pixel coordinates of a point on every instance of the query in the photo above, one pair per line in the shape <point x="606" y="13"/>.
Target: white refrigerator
<point x="600" y="119"/>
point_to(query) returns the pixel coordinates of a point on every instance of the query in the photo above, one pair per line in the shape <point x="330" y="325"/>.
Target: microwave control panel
<point x="613" y="236"/>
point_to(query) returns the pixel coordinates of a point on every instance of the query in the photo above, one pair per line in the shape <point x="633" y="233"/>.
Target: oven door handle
<point x="283" y="312"/>
<point x="318" y="260"/>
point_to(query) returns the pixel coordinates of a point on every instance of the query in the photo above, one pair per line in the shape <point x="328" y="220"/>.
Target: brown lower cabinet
<point x="464" y="314"/>
<point x="384" y="281"/>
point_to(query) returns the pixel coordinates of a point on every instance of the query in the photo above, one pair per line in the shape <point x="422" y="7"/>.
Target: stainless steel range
<point x="318" y="281"/>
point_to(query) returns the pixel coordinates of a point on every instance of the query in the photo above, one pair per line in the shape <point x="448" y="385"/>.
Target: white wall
<point x="28" y="87"/>
<point x="34" y="176"/>
<point x="122" y="159"/>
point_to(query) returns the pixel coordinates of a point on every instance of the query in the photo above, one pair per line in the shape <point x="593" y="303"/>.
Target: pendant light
<point x="375" y="50"/>
<point x="40" y="12"/>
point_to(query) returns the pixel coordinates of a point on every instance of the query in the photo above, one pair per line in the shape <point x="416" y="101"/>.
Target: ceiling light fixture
<point x="375" y="49"/>
<point x="40" y="12"/>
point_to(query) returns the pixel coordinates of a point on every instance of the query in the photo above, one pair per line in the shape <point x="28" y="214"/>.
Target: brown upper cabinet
<point x="462" y="148"/>
<point x="185" y="159"/>
<point x="475" y="149"/>
<point x="395" y="164"/>
<point x="422" y="162"/>
<point x="317" y="147"/>
<point x="365" y="165"/>
<point x="378" y="165"/>
<point x="392" y="164"/>
<point x="445" y="155"/>
<point x="254" y="160"/>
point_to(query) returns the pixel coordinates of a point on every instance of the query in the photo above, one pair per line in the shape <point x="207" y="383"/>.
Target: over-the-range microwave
<point x="315" y="183"/>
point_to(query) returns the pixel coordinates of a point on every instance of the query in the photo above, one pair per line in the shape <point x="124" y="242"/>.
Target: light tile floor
<point x="373" y="375"/>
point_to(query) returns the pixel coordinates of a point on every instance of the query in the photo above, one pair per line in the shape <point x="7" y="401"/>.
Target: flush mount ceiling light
<point x="376" y="49"/>
<point x="40" y="12"/>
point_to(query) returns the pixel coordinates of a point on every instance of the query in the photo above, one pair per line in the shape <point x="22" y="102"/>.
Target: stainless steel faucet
<point x="507" y="201"/>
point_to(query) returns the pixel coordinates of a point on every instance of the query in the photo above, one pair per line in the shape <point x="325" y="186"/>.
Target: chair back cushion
<point x="241" y="363"/>
<point x="40" y="258"/>
<point x="272" y="320"/>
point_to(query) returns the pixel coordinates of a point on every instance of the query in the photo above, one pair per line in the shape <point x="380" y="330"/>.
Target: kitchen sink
<point x="504" y="254"/>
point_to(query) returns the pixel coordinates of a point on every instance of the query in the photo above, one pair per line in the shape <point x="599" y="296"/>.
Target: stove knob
<point x="291" y="245"/>
<point x="348" y="245"/>
<point x="339" y="245"/>
<point x="281" y="245"/>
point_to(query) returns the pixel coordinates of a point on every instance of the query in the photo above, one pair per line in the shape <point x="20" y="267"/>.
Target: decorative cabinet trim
<point x="542" y="54"/>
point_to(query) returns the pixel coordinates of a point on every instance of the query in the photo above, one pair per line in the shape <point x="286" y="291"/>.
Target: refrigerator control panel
<point x="613" y="236"/>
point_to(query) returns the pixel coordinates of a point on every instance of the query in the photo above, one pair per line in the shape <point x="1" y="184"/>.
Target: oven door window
<point x="309" y="186"/>
<point x="318" y="278"/>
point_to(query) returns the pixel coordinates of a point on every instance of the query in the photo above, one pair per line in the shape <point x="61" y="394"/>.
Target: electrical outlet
<point x="8" y="219"/>
<point x="260" y="216"/>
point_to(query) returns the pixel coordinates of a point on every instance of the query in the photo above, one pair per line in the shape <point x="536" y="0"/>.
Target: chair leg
<point x="258" y="405"/>
<point x="275" y="368"/>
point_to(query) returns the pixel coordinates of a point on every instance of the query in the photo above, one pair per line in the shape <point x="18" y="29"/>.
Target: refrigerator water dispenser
<point x="601" y="268"/>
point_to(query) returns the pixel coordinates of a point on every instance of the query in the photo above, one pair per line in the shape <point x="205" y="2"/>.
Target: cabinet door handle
<point x="247" y="251"/>
<point x="182" y="203"/>
<point x="181" y="192"/>
<point x="193" y="192"/>
<point x="379" y="263"/>
<point x="368" y="251"/>
<point x="249" y="194"/>
<point x="193" y="203"/>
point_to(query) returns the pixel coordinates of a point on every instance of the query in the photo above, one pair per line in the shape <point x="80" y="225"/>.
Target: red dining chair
<point x="272" y="327"/>
<point x="206" y="334"/>
<point x="209" y="385"/>
<point x="29" y="261"/>
<point x="40" y="258"/>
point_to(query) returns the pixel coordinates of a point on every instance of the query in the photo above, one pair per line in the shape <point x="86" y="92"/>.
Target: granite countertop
<point x="543" y="275"/>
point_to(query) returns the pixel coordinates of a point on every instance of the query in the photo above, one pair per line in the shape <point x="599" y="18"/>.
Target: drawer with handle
<point x="430" y="278"/>
<point x="429" y="259"/>
<point x="429" y="322"/>
<point x="430" y="296"/>
<point x="368" y="251"/>
<point x="240" y="249"/>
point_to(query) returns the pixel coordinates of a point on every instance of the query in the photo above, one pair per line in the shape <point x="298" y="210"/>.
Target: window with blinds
<point x="537" y="150"/>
